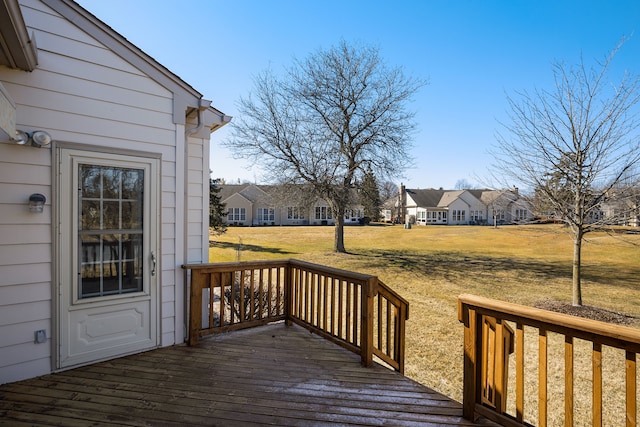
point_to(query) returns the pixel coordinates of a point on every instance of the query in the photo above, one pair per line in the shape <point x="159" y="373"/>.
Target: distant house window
<point x="323" y="212"/>
<point x="294" y="212"/>
<point x="444" y="216"/>
<point x="458" y="215"/>
<point x="421" y="216"/>
<point x="353" y="213"/>
<point x="266" y="215"/>
<point x="498" y="214"/>
<point x="521" y="214"/>
<point x="475" y="215"/>
<point x="236" y="214"/>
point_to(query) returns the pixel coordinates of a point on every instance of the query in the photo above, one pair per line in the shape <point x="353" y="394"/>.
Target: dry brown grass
<point x="431" y="266"/>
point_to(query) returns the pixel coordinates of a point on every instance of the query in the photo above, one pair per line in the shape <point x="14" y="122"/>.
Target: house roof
<point x="430" y="198"/>
<point x="294" y="195"/>
<point x="498" y="197"/>
<point x="228" y="190"/>
<point x="449" y="197"/>
<point x="426" y="198"/>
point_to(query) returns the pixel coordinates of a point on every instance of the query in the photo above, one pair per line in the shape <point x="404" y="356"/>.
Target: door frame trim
<point x="58" y="258"/>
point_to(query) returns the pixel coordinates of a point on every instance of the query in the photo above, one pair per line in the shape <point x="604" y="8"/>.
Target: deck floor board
<point x="269" y="375"/>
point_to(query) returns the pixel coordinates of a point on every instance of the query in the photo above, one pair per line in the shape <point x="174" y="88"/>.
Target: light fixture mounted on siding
<point x="36" y="202"/>
<point x="38" y="138"/>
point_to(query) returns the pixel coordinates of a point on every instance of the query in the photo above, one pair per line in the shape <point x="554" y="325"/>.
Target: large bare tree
<point x="576" y="147"/>
<point x="325" y="121"/>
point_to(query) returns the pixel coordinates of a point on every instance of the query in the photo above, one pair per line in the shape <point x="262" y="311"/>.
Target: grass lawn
<point x="430" y="266"/>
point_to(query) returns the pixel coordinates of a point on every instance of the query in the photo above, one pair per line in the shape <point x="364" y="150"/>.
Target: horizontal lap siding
<point x="25" y="260"/>
<point x="80" y="93"/>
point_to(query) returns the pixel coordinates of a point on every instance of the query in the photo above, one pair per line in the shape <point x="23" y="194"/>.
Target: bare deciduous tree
<point x="388" y="191"/>
<point x="573" y="147"/>
<point x="463" y="184"/>
<point x="325" y="121"/>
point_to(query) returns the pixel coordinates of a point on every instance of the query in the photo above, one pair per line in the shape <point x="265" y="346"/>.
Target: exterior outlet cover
<point x="41" y="336"/>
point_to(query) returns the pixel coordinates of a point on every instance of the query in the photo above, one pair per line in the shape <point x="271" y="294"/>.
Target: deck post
<point x="469" y="318"/>
<point x="288" y="293"/>
<point x="198" y="283"/>
<point x="369" y="291"/>
<point x="400" y="333"/>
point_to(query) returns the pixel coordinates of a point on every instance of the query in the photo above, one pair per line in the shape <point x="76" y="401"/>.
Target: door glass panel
<point x="91" y="214"/>
<point x="110" y="230"/>
<point x="111" y="179"/>
<point x="90" y="181"/>
<point x="131" y="215"/>
<point x="131" y="262"/>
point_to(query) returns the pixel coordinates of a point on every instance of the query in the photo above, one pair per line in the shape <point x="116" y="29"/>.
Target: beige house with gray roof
<point x="464" y="207"/>
<point x="266" y="205"/>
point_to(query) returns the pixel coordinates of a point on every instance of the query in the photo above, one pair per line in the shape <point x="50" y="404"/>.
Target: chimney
<point x="402" y="203"/>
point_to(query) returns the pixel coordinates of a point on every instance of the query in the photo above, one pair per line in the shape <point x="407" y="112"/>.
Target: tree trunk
<point x="338" y="242"/>
<point x="577" y="254"/>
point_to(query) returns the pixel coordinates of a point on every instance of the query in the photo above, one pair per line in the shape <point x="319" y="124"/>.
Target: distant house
<point x="103" y="178"/>
<point x="248" y="204"/>
<point x="462" y="207"/>
<point x="505" y="206"/>
<point x="265" y="205"/>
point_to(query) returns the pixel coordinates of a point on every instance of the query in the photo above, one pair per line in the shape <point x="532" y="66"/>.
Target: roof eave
<point x="17" y="49"/>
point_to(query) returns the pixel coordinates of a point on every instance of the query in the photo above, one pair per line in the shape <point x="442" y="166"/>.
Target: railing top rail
<point x="229" y="266"/>
<point x="331" y="271"/>
<point x="398" y="299"/>
<point x="594" y="330"/>
<point x="233" y="265"/>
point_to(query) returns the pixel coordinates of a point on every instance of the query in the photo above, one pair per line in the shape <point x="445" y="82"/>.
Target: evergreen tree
<point x="217" y="209"/>
<point x="370" y="196"/>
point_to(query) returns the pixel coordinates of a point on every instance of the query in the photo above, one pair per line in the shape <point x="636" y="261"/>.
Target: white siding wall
<point x="25" y="261"/>
<point x="81" y="93"/>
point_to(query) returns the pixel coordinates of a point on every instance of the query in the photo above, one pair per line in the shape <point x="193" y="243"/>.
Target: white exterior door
<point x="108" y="232"/>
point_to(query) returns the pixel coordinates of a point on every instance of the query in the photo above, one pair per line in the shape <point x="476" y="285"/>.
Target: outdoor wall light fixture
<point x="38" y="138"/>
<point x="36" y="202"/>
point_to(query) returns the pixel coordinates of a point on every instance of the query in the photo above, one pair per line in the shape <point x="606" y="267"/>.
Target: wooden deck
<point x="269" y="375"/>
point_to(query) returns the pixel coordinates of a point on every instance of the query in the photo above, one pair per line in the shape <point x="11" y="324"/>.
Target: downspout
<point x="200" y="123"/>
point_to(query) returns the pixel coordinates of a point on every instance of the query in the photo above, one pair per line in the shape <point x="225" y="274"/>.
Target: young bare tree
<point x="572" y="147"/>
<point x="325" y="121"/>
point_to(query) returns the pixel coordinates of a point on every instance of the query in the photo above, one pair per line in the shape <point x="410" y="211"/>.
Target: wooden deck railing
<point x="488" y="341"/>
<point x="356" y="311"/>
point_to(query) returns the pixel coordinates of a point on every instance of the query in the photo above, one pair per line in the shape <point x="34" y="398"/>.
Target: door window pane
<point x="91" y="215"/>
<point x="131" y="215"/>
<point x="90" y="181"/>
<point x="111" y="183"/>
<point x="110" y="230"/>
<point x="132" y="184"/>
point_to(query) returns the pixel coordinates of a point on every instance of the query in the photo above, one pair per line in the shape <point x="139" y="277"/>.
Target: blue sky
<point x="473" y="53"/>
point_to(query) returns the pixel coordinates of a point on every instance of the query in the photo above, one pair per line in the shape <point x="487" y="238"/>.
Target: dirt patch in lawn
<point x="586" y="311"/>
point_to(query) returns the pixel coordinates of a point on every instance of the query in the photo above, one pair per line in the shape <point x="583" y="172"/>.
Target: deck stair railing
<point x="357" y="311"/>
<point x="489" y="340"/>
